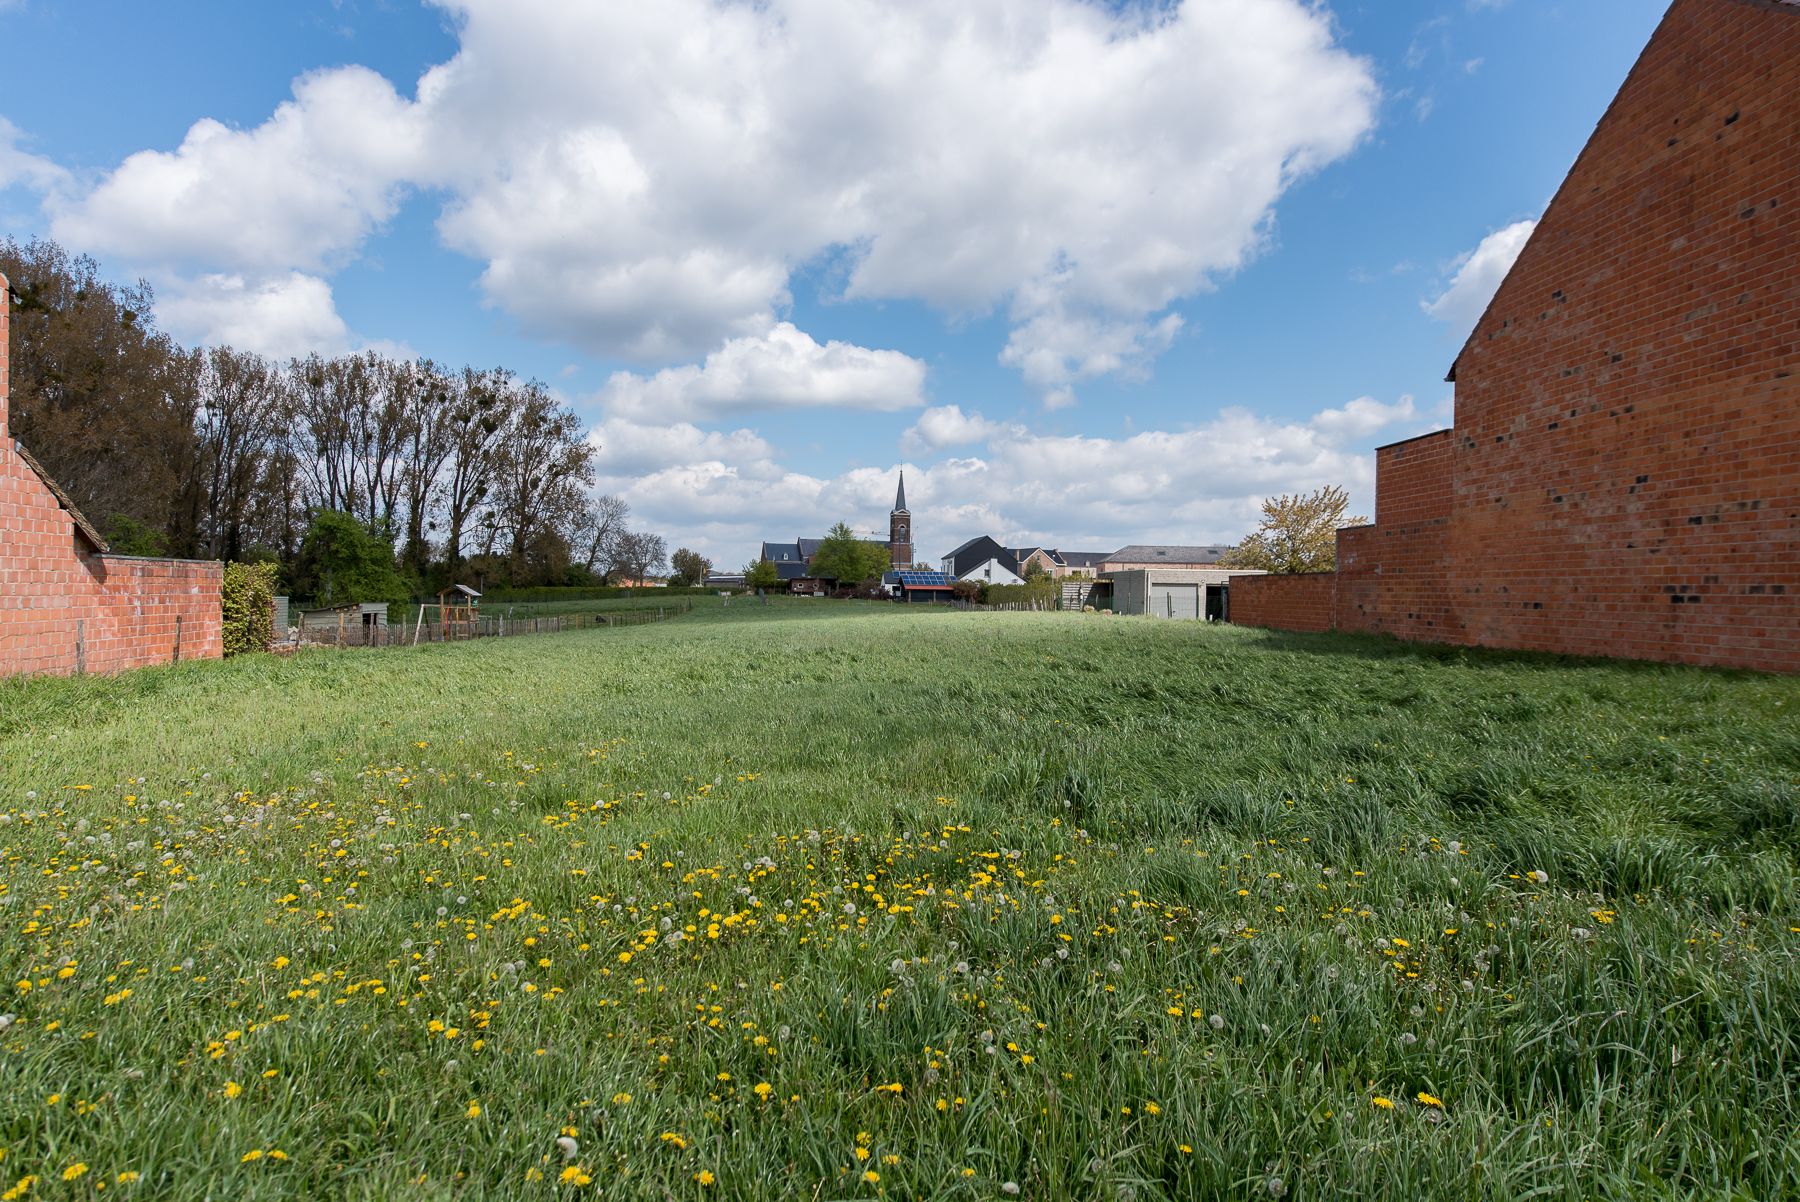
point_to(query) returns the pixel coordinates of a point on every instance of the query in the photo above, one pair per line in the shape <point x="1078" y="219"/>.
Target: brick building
<point x="1623" y="478"/>
<point x="66" y="604"/>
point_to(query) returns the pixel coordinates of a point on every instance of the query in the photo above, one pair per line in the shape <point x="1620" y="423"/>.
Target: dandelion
<point x="474" y="1110"/>
<point x="1010" y="1189"/>
<point x="621" y="1099"/>
<point x="763" y="1090"/>
<point x="74" y="1171"/>
<point x="233" y="1089"/>
<point x="1383" y="1103"/>
<point x="705" y="1177"/>
<point x="1539" y="875"/>
<point x="573" y="1175"/>
<point x="251" y="1155"/>
<point x="127" y="1177"/>
<point x="567" y="1145"/>
<point x="871" y="1176"/>
<point x="1426" y="1099"/>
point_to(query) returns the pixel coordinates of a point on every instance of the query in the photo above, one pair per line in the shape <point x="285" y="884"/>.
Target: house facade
<point x="67" y="604"/>
<point x="1623" y="478"/>
<point x="985" y="561"/>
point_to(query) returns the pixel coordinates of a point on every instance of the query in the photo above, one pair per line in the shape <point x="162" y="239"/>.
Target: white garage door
<point x="1175" y="601"/>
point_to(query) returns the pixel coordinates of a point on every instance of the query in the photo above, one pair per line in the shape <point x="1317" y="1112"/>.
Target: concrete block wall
<point x="66" y="607"/>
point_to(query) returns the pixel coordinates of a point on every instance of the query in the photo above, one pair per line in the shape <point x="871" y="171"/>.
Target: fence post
<point x="80" y="647"/>
<point x="177" y="657"/>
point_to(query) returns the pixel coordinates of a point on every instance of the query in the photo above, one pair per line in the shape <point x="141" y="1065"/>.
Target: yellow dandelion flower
<point x="127" y="1177"/>
<point x="763" y="1089"/>
<point x="252" y="1154"/>
<point x="871" y="1176"/>
<point x="1426" y="1099"/>
<point x="75" y="1170"/>
<point x="474" y="1110"/>
<point x="233" y="1089"/>
<point x="621" y="1099"/>
<point x="705" y="1177"/>
<point x="1384" y="1103"/>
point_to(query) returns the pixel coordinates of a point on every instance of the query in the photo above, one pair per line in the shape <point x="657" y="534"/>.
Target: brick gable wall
<point x="66" y="607"/>
<point x="1624" y="474"/>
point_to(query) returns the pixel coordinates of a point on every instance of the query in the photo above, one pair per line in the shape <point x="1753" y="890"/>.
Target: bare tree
<point x="478" y="413"/>
<point x="543" y="462"/>
<point x="430" y="441"/>
<point x="642" y="555"/>
<point x="235" y="427"/>
<point x="594" y="531"/>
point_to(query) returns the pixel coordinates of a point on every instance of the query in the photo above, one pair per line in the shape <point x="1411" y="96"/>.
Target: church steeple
<point x="900" y="545"/>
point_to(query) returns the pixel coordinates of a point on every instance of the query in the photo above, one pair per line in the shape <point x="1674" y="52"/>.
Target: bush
<point x="1038" y="590"/>
<point x="247" y="600"/>
<point x="539" y="594"/>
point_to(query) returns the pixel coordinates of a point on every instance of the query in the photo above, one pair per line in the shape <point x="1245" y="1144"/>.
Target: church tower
<point x="900" y="544"/>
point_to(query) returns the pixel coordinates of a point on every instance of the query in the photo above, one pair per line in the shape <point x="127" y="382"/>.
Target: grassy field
<point x="847" y="901"/>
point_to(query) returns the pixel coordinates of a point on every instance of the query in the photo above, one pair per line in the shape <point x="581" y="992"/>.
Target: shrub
<point x="247" y="600"/>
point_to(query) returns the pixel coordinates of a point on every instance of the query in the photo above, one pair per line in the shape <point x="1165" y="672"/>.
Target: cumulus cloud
<point x="279" y="316"/>
<point x="1199" y="485"/>
<point x="782" y="369"/>
<point x="644" y="180"/>
<point x="948" y="426"/>
<point x="1478" y="274"/>
<point x="301" y="190"/>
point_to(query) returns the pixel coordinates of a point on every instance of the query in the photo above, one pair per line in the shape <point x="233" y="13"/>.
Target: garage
<point x="1175" y="601"/>
<point x="1183" y="595"/>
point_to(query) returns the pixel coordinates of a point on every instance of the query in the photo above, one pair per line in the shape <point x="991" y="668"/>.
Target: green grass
<point x="1123" y="908"/>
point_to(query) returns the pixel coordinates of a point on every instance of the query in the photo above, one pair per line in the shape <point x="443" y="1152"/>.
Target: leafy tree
<point x="342" y="561"/>
<point x="246" y="599"/>
<point x="762" y="574"/>
<point x="847" y="559"/>
<point x="1037" y="571"/>
<point x="128" y="536"/>
<point x="690" y="568"/>
<point x="1297" y="534"/>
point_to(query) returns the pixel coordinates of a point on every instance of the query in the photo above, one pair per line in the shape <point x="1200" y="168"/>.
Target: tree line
<point x="439" y="472"/>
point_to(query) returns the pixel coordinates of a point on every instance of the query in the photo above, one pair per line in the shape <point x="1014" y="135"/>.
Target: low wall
<point x="1302" y="602"/>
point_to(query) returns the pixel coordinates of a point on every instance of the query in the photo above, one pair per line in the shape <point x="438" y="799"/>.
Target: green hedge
<point x="247" y="600"/>
<point x="1042" y="590"/>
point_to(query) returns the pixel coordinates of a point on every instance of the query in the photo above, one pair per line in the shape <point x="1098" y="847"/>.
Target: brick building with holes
<point x="66" y="604"/>
<point x="1623" y="478"/>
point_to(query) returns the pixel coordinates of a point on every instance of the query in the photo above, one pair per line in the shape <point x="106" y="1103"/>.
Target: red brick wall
<point x="64" y="607"/>
<point x="1395" y="574"/>
<point x="1627" y="458"/>
<point x="1283" y="602"/>
<point x="1624" y="475"/>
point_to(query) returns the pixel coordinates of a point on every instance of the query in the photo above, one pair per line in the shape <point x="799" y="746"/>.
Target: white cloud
<point x="280" y="316"/>
<point x="645" y="179"/>
<point x="948" y="426"/>
<point x="722" y="494"/>
<point x="781" y="369"/>
<point x="1478" y="274"/>
<point x="20" y="167"/>
<point x="301" y="190"/>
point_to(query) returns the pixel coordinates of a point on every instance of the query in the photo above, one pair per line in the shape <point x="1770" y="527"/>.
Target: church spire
<point x="900" y="497"/>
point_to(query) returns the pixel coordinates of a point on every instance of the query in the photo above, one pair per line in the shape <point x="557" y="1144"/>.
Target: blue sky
<point x="1095" y="274"/>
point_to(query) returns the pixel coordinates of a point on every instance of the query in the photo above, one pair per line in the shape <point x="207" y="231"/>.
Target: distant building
<point x="793" y="561"/>
<point x="1185" y="558"/>
<point x="984" y="560"/>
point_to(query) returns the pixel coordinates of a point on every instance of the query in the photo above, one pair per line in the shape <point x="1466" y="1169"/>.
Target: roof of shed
<point x="62" y="498"/>
<point x="1153" y="553"/>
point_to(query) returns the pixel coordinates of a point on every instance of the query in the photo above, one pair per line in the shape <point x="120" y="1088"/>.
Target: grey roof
<point x="809" y="547"/>
<point x="900" y="497"/>
<point x="1153" y="553"/>
<point x="979" y="550"/>
<point x="790" y="570"/>
<point x="781" y="552"/>
<point x="1084" y="559"/>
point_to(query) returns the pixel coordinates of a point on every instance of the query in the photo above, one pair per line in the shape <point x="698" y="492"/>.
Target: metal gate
<point x="1175" y="601"/>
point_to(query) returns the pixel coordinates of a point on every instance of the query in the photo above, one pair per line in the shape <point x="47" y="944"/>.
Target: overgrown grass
<point x="1066" y="905"/>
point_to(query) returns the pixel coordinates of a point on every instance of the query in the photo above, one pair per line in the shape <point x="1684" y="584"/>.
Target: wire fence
<point x="348" y="631"/>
